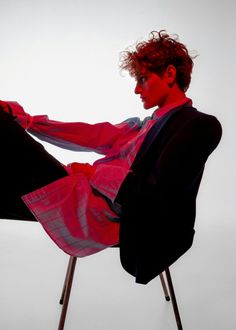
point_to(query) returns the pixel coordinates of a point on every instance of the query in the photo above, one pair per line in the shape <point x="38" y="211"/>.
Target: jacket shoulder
<point x="197" y="117"/>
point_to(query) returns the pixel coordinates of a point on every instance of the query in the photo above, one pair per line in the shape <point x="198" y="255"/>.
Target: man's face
<point x="153" y="89"/>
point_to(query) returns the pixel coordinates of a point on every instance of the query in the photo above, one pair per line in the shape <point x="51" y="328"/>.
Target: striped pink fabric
<point x="72" y="210"/>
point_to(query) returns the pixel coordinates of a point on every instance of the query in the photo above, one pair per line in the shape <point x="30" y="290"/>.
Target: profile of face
<point x="154" y="90"/>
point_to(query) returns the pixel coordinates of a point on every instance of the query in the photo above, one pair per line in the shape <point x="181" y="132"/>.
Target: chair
<point x="68" y="284"/>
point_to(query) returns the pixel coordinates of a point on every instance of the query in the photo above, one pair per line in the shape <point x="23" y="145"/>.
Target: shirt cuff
<point x="107" y="180"/>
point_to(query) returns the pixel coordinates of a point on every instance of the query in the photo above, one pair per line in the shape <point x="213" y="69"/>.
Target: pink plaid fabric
<point x="72" y="210"/>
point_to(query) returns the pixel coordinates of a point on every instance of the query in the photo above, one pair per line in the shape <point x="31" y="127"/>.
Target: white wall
<point x="61" y="58"/>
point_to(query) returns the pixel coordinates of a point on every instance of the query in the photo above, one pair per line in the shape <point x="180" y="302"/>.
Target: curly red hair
<point x="155" y="54"/>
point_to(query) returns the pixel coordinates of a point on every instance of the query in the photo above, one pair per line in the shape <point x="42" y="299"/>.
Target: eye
<point x="142" y="80"/>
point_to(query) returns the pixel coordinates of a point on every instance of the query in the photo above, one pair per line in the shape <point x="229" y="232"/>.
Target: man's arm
<point x="75" y="136"/>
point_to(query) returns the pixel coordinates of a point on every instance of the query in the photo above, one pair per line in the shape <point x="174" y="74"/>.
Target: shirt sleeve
<point x="76" y="136"/>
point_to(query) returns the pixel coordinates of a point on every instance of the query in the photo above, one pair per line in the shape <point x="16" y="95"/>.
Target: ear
<point x="170" y="74"/>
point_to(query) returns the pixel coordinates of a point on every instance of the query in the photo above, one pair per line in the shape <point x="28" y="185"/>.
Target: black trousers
<point x="24" y="167"/>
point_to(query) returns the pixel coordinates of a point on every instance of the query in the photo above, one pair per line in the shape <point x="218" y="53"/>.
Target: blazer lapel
<point x="153" y="133"/>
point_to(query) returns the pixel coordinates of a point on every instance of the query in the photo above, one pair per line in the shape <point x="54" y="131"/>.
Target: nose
<point x="137" y="89"/>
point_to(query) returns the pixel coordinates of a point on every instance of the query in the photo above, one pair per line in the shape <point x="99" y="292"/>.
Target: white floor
<point x="104" y="296"/>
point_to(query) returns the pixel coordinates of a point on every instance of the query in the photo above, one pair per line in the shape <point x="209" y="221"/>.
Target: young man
<point x="142" y="194"/>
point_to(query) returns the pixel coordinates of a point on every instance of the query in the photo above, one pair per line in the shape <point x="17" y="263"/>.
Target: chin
<point x="148" y="106"/>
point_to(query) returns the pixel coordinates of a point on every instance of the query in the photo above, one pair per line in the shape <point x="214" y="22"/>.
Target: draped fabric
<point x="74" y="210"/>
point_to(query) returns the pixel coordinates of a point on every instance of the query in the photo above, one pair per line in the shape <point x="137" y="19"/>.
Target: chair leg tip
<point x="61" y="302"/>
<point x="167" y="298"/>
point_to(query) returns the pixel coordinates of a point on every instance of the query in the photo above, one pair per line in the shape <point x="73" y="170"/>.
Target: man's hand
<point x="18" y="113"/>
<point x="84" y="168"/>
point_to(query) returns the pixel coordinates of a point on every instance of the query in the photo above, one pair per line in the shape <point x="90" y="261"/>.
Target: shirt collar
<point x="158" y="113"/>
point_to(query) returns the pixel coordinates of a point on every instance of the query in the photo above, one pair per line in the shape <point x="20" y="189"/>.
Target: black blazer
<point x="158" y="198"/>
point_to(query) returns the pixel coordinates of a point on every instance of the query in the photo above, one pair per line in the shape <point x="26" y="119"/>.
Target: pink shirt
<point x="77" y="218"/>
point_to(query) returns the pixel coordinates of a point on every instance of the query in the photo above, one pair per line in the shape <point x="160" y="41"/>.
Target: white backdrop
<point x="61" y="58"/>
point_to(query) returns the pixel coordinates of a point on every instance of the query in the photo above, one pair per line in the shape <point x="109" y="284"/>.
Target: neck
<point x="175" y="96"/>
<point x="182" y="99"/>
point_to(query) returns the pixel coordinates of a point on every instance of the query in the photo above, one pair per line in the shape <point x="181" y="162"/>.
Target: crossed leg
<point x="24" y="167"/>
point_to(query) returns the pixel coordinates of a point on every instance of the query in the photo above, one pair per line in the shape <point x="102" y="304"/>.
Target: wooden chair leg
<point x="66" y="291"/>
<point x="66" y="280"/>
<point x="173" y="299"/>
<point x="163" y="283"/>
<point x="65" y="296"/>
